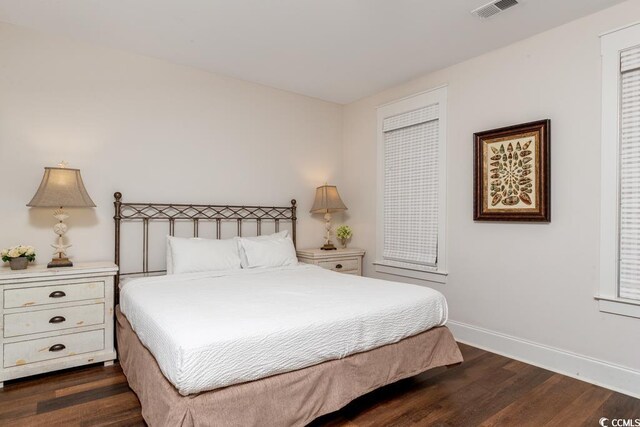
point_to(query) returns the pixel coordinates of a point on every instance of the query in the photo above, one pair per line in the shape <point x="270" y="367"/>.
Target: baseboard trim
<point x="614" y="377"/>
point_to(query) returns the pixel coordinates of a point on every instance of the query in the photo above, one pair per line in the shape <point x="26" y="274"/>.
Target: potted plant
<point x="344" y="233"/>
<point x="18" y="256"/>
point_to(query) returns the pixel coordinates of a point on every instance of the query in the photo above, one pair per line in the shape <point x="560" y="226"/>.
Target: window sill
<point x="620" y="306"/>
<point x="436" y="276"/>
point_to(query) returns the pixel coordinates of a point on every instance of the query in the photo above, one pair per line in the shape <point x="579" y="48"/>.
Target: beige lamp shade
<point x="61" y="187"/>
<point x="327" y="200"/>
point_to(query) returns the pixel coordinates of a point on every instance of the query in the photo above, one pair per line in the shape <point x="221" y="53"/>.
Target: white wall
<point x="534" y="282"/>
<point x="152" y="130"/>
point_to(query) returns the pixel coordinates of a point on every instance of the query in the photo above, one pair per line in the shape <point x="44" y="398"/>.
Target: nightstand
<point x="347" y="261"/>
<point x="55" y="318"/>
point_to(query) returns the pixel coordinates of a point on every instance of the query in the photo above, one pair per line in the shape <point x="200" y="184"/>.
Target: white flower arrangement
<point x="18" y="251"/>
<point x="344" y="232"/>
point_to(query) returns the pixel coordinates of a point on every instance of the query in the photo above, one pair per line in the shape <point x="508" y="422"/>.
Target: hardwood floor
<point x="487" y="390"/>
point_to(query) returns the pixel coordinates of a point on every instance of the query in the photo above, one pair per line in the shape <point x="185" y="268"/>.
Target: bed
<point x="279" y="346"/>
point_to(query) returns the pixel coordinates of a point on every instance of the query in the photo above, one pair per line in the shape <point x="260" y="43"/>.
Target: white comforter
<point x="211" y="330"/>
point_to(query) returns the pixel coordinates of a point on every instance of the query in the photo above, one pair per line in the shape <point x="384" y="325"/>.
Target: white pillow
<point x="271" y="252"/>
<point x="243" y="257"/>
<point x="190" y="255"/>
<point x="169" y="258"/>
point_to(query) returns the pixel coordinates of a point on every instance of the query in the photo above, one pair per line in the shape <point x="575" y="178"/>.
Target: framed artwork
<point x="511" y="173"/>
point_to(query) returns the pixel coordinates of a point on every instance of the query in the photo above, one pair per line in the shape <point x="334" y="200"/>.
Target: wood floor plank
<point x="129" y="415"/>
<point x="451" y="404"/>
<point x="498" y="395"/>
<point x="78" y="388"/>
<point x="18" y="409"/>
<point x="583" y="409"/>
<point x="469" y="353"/>
<point x="87" y="413"/>
<point x="82" y="397"/>
<point x="423" y="392"/>
<point x="487" y="389"/>
<point x="620" y="406"/>
<point x="540" y="404"/>
<point x="42" y="384"/>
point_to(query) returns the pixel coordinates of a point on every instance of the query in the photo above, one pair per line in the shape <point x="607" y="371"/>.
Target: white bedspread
<point x="211" y="330"/>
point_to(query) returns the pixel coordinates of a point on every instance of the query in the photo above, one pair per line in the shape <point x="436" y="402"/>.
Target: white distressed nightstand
<point x="55" y="318"/>
<point x="347" y="261"/>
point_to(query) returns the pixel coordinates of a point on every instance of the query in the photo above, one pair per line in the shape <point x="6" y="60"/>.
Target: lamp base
<point x="328" y="247"/>
<point x="60" y="262"/>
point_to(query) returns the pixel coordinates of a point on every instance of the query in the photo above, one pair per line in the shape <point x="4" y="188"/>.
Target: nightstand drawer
<point x="342" y="265"/>
<point x="28" y="297"/>
<point x="55" y="319"/>
<point x="25" y="352"/>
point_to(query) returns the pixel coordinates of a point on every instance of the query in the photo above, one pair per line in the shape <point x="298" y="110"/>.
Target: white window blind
<point x="410" y="211"/>
<point x="629" y="241"/>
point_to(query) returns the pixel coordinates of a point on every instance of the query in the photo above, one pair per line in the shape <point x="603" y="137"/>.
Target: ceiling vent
<point x="494" y="8"/>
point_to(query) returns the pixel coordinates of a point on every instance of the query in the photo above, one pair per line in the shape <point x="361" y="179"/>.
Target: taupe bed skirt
<point x="290" y="399"/>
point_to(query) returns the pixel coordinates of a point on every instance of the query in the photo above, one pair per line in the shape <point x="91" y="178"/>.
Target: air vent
<point x="493" y="8"/>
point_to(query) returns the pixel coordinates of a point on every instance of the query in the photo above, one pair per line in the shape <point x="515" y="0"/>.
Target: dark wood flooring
<point x="487" y="389"/>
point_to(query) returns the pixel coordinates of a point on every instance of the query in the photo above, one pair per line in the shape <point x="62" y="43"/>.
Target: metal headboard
<point x="172" y="212"/>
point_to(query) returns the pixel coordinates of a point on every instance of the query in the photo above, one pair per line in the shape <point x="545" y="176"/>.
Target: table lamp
<point x="327" y="201"/>
<point x="61" y="187"/>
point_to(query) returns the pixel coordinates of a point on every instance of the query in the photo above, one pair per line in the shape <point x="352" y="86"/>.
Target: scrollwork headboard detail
<point x="172" y="212"/>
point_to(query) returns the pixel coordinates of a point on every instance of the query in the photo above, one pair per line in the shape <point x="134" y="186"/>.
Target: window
<point x="411" y="187"/>
<point x="620" y="188"/>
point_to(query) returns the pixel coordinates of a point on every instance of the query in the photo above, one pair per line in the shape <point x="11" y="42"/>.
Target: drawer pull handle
<point x="338" y="266"/>
<point x="57" y="347"/>
<point x="57" y="319"/>
<point x="57" y="294"/>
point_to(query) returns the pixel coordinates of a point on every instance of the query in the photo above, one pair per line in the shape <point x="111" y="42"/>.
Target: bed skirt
<point x="290" y="399"/>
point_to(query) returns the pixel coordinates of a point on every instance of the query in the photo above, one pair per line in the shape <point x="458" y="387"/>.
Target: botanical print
<point x="510" y="173"/>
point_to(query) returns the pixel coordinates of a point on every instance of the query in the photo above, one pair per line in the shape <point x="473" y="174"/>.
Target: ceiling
<point x="336" y="50"/>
